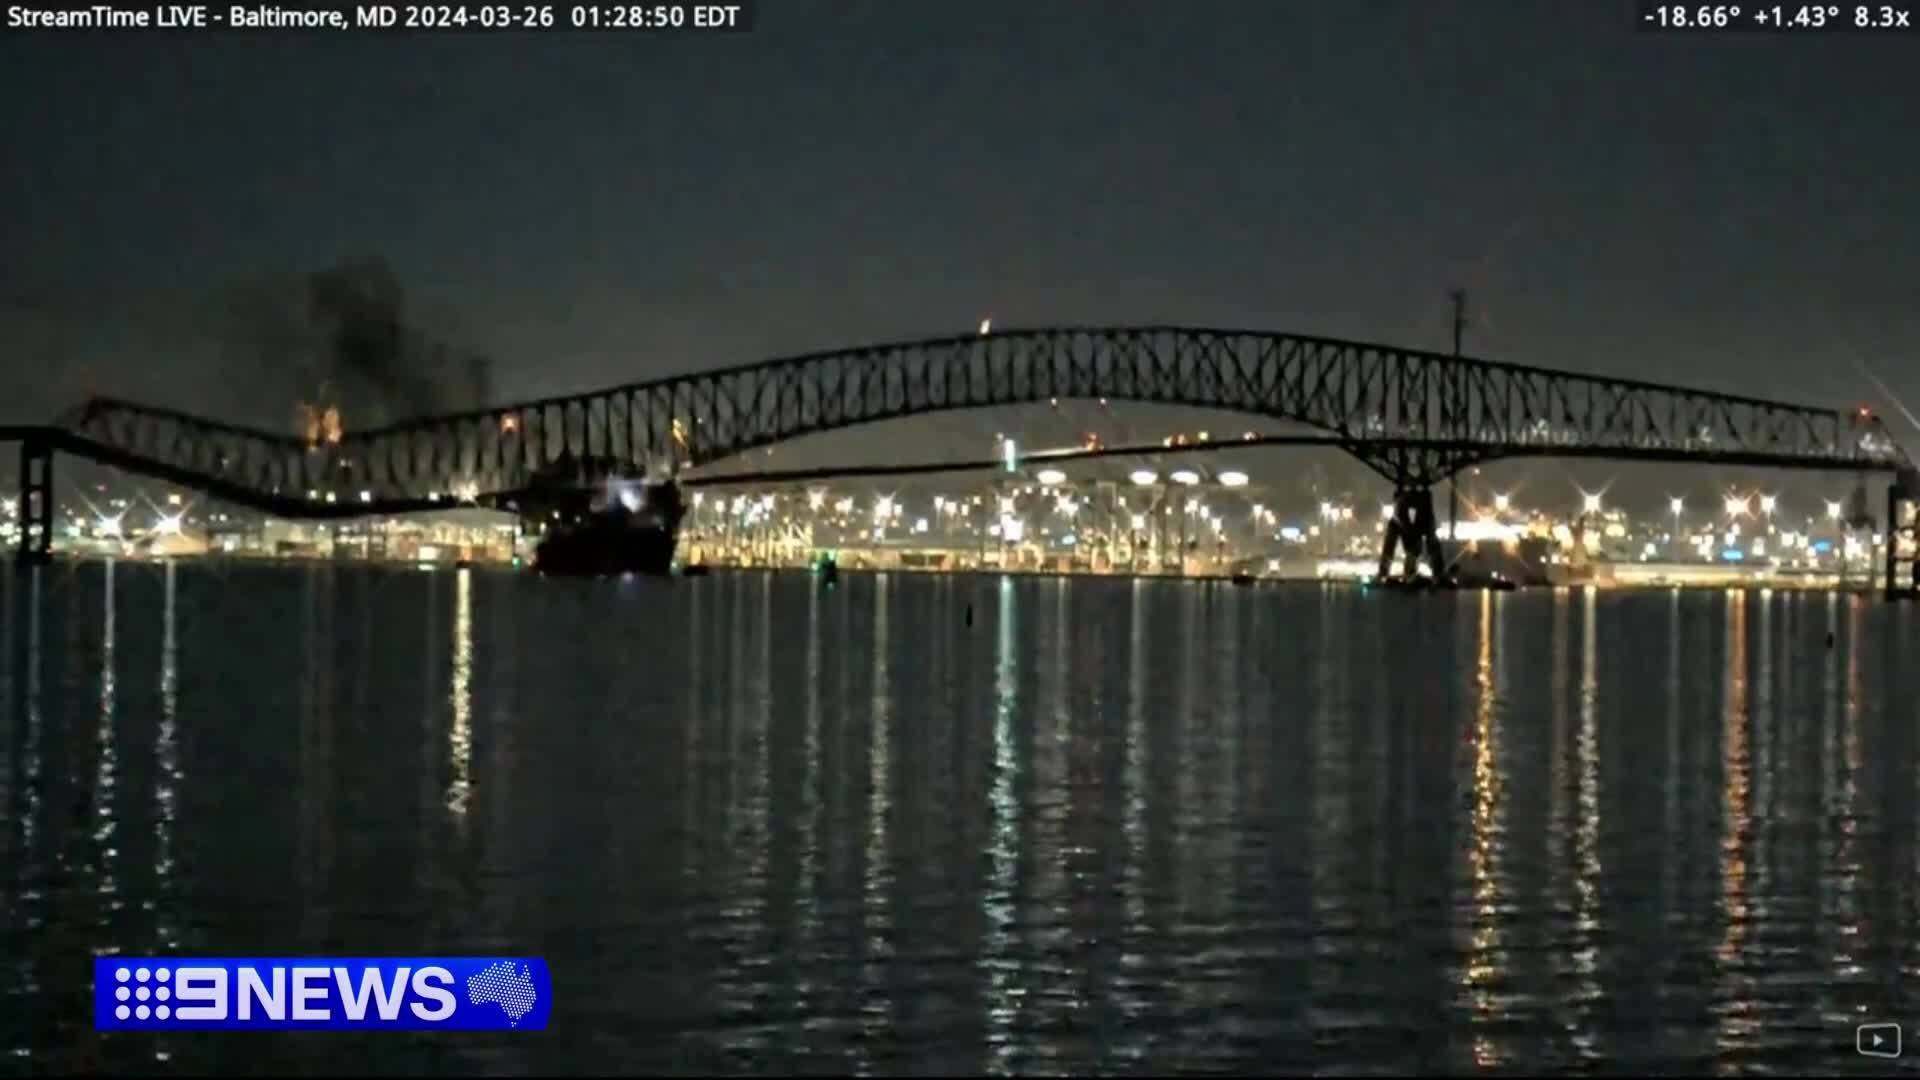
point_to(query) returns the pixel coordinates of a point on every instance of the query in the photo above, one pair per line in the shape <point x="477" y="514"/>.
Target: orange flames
<point x="318" y="425"/>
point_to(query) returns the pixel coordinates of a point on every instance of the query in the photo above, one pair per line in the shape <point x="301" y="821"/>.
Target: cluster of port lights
<point x="1186" y="478"/>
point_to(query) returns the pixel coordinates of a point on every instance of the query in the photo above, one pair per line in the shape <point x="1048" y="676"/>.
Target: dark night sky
<point x="1738" y="212"/>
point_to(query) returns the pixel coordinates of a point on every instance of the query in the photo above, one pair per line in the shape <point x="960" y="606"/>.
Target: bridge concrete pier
<point x="1414" y="527"/>
<point x="36" y="503"/>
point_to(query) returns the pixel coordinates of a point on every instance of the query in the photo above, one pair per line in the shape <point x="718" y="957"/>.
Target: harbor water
<point x="969" y="824"/>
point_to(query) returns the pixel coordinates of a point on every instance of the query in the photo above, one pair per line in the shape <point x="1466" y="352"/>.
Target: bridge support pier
<point x="36" y="503"/>
<point x="1413" y="526"/>
<point x="1903" y="537"/>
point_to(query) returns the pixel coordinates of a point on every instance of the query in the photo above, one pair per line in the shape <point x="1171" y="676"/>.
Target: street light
<point x="1144" y="477"/>
<point x="1833" y="511"/>
<point x="1736" y="506"/>
<point x="1050" y="477"/>
<point x="1233" y="479"/>
<point x="1500" y="503"/>
<point x="1187" y="477"/>
<point x="1592" y="502"/>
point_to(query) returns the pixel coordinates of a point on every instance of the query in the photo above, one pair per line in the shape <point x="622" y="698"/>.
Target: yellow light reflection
<point x="1001" y="955"/>
<point x="105" y="851"/>
<point x="460" y="735"/>
<point x="1133" y="825"/>
<point x="167" y="776"/>
<point x="1738" y="1021"/>
<point x="1848" y="867"/>
<point x="806" y="900"/>
<point x="1586" y="839"/>
<point x="1486" y="957"/>
<point x="879" y="774"/>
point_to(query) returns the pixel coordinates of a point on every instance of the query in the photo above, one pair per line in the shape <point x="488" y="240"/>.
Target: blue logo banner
<point x="402" y="993"/>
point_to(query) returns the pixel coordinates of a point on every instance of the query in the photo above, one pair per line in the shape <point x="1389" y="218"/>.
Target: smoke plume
<point x="341" y="340"/>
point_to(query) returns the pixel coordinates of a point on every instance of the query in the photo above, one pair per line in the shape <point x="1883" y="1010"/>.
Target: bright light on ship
<point x="107" y="526"/>
<point x="465" y="491"/>
<point x="168" y="525"/>
<point x="986" y="326"/>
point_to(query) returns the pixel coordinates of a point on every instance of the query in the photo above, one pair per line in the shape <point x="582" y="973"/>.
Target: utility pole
<point x="1459" y="297"/>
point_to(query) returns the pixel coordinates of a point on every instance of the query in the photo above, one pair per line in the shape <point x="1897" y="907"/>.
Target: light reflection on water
<point x="971" y="825"/>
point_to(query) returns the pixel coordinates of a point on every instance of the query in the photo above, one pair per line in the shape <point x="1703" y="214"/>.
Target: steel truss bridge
<point x="1415" y="417"/>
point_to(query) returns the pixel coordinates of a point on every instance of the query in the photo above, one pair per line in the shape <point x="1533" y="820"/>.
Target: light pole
<point x="1678" y="505"/>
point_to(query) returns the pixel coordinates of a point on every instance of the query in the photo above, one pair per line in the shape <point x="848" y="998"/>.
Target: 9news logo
<point x="464" y="993"/>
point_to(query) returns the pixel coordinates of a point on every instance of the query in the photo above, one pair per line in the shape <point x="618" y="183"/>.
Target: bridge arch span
<point x="1415" y="416"/>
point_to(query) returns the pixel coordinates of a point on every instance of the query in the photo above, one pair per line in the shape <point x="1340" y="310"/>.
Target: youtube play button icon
<point x="1877" y="1040"/>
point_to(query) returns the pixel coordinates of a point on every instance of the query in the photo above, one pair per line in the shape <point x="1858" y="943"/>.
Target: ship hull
<point x="631" y="530"/>
<point x="604" y="549"/>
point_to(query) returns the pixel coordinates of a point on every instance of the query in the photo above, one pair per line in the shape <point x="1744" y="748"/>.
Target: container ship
<point x="628" y="528"/>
